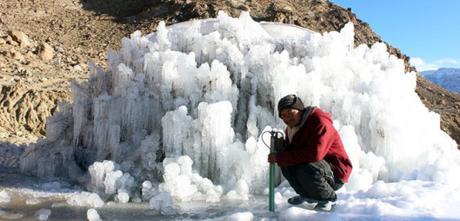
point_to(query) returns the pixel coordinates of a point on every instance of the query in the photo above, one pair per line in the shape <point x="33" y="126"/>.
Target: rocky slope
<point x="42" y="52"/>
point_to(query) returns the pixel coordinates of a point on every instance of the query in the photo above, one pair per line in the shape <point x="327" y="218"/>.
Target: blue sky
<point x="426" y="30"/>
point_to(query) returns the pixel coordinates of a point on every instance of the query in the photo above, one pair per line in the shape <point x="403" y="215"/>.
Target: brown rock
<point x="30" y="107"/>
<point x="45" y="51"/>
<point x="443" y="102"/>
<point x="77" y="68"/>
<point x="16" y="55"/>
<point x="235" y="3"/>
<point x="21" y="38"/>
<point x="9" y="40"/>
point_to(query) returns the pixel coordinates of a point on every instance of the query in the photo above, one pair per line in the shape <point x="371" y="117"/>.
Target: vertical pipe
<point x="271" y="182"/>
<point x="272" y="188"/>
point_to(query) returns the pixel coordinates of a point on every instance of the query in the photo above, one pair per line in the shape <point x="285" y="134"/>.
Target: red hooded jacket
<point x="317" y="139"/>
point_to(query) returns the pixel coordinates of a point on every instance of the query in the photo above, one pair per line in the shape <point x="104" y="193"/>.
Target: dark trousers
<point x="313" y="180"/>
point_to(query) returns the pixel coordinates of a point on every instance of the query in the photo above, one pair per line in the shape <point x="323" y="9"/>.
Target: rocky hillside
<point x="42" y="52"/>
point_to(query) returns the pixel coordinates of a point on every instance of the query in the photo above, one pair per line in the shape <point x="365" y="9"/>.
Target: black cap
<point x="290" y="101"/>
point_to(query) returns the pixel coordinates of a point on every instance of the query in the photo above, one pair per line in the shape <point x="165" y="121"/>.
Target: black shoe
<point x="296" y="200"/>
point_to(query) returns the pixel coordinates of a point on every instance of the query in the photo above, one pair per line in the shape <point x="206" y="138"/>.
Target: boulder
<point x="45" y="51"/>
<point x="21" y="38"/>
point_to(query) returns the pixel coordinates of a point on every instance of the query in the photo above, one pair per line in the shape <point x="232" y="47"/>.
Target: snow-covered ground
<point x="202" y="92"/>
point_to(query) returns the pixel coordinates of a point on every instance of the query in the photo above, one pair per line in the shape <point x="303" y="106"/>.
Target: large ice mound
<point x="181" y="111"/>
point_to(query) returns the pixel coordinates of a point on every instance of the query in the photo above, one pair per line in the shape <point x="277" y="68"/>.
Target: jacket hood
<point x="322" y="114"/>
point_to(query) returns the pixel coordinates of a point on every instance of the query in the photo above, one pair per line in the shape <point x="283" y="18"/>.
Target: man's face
<point x="291" y="117"/>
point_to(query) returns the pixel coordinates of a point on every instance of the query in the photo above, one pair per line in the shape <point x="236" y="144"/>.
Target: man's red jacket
<point x="317" y="139"/>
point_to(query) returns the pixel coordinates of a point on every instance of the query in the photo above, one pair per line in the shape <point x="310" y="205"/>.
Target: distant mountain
<point x="448" y="78"/>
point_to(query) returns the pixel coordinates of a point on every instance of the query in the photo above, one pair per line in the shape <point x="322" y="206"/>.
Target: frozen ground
<point x="406" y="200"/>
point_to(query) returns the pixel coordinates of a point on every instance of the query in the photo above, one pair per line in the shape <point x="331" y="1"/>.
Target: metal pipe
<point x="271" y="178"/>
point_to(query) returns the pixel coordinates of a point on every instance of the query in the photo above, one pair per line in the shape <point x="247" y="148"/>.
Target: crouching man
<point x="314" y="160"/>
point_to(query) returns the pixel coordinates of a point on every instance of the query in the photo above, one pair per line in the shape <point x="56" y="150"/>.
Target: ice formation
<point x="92" y="215"/>
<point x="43" y="214"/>
<point x="163" y="203"/>
<point x="4" y="197"/>
<point x="181" y="112"/>
<point x="108" y="181"/>
<point x="243" y="216"/>
<point x="32" y="201"/>
<point x="10" y="215"/>
<point x="85" y="199"/>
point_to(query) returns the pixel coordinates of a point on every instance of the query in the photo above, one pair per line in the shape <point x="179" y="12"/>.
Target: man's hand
<point x="272" y="158"/>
